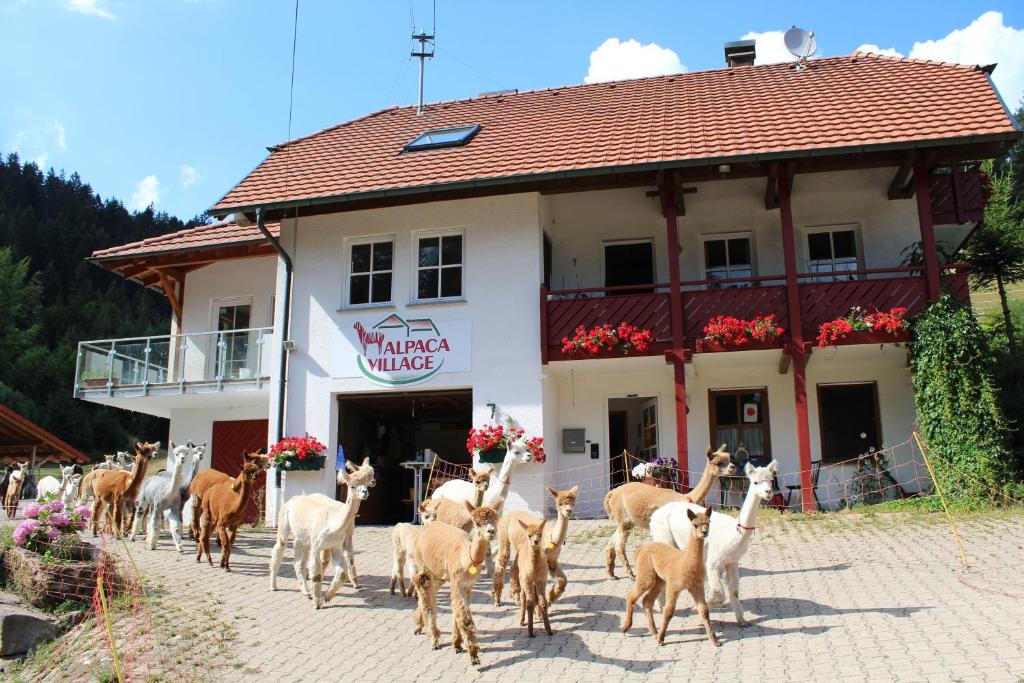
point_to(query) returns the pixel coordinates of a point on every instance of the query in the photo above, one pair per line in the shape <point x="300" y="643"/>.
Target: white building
<point x="422" y="287"/>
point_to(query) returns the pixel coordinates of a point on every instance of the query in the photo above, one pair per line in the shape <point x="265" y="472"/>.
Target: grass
<point x="53" y="470"/>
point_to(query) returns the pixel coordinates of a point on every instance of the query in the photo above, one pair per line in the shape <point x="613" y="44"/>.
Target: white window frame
<point x="749" y="235"/>
<point x="347" y="278"/>
<point x="834" y="275"/>
<point x="210" y="347"/>
<point x="414" y="286"/>
<point x="623" y="242"/>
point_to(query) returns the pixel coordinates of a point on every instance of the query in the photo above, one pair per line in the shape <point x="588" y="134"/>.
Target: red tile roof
<point x="838" y="102"/>
<point x="199" y="237"/>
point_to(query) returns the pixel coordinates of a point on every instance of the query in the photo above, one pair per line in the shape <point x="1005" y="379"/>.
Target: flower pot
<point x="492" y="456"/>
<point x="658" y="483"/>
<point x="95" y="382"/>
<point x="872" y="337"/>
<point x="311" y="463"/>
<point x="712" y="346"/>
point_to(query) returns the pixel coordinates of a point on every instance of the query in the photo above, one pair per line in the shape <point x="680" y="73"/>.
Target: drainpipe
<point x="285" y="316"/>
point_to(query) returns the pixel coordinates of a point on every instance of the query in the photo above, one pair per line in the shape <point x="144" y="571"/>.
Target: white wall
<point x="197" y="424"/>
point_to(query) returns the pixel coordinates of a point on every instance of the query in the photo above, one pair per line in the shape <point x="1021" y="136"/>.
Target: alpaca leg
<point x="489" y="559"/>
<point x="276" y="558"/>
<point x="542" y="604"/>
<point x="136" y="524"/>
<point x="702" y="610"/>
<point x="456" y="602"/>
<point x="639" y="588"/>
<point x="435" y="632"/>
<point x="609" y="553"/>
<point x="174" y="522"/>
<point x="317" y="571"/>
<point x="153" y="532"/>
<point x="225" y="546"/>
<point x="350" y="560"/>
<point x="193" y="529"/>
<point x="515" y="588"/>
<point x="530" y="602"/>
<point x="620" y="548"/>
<point x="658" y="588"/>
<point x="301" y="550"/>
<point x="732" y="573"/>
<point x="339" y="575"/>
<point x="498" y="580"/>
<point x="716" y="585"/>
<point x="560" y="581"/>
<point x="398" y="574"/>
<point x="670" y="608"/>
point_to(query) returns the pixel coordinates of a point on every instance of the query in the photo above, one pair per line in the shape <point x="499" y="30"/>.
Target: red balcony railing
<point x="882" y="288"/>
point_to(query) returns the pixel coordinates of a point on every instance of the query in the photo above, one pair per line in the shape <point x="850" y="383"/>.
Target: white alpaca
<point x="52" y="487"/>
<point x="728" y="537"/>
<point x="161" y="493"/>
<point x="179" y="511"/>
<point x="323" y="529"/>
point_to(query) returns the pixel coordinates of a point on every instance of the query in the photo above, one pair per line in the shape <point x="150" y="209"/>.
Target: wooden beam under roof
<point x="901" y="186"/>
<point x="168" y="287"/>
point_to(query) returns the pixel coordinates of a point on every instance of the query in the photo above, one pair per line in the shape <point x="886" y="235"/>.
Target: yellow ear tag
<point x="551" y="546"/>
<point x="472" y="569"/>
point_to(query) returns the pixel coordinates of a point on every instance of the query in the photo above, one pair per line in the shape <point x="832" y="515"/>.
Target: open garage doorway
<point x="393" y="427"/>
<point x="632" y="426"/>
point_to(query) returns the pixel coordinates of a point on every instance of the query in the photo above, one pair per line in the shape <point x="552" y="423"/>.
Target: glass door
<point x="232" y="357"/>
<point x="649" y="430"/>
<point x="739" y="419"/>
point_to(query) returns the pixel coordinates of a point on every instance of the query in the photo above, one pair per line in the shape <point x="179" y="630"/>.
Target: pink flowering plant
<point x="47" y="523"/>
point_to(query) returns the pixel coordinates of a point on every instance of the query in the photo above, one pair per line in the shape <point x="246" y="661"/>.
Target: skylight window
<point x="443" y="137"/>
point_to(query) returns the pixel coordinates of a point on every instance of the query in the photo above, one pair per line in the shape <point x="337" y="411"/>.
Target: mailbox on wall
<point x="574" y="441"/>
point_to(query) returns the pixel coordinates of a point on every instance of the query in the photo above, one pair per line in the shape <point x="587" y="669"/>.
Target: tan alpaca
<point x="450" y="554"/>
<point x="207" y="479"/>
<point x="14" y="486"/>
<point x="224" y="510"/>
<point x="511" y="535"/>
<point x="426" y="587"/>
<point x="660" y="567"/>
<point x="403" y="540"/>
<point x="115" y="490"/>
<point x="533" y="575"/>
<point x="454" y="512"/>
<point x="631" y="505"/>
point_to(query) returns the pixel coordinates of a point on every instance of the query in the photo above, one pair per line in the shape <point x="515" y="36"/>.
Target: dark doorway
<point x="617" y="442"/>
<point x="629" y="263"/>
<point x="393" y="427"/>
<point x="231" y="439"/>
<point x="849" y="420"/>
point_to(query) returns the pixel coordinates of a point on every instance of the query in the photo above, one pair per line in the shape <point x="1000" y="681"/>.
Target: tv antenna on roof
<point x="424" y="39"/>
<point x="801" y="44"/>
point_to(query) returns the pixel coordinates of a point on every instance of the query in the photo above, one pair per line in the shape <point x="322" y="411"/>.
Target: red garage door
<point x="231" y="439"/>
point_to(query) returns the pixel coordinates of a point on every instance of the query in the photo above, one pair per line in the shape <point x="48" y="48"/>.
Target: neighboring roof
<point x="858" y="103"/>
<point x="201" y="237"/>
<point x="18" y="434"/>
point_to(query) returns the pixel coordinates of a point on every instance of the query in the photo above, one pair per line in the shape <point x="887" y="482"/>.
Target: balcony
<point x="823" y="297"/>
<point x="162" y="367"/>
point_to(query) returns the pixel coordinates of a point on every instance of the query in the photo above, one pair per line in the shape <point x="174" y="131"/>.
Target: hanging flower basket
<point x="865" y="326"/>
<point x="729" y="333"/>
<point x="492" y="456"/>
<point x="490" y="443"/>
<point x="298" y="454"/>
<point x="607" y="340"/>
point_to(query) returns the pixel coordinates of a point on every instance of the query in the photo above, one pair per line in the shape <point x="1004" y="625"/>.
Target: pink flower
<point x="55" y="506"/>
<point x="58" y="519"/>
<point x="32" y="510"/>
<point x="83" y="511"/>
<point x="52" y="534"/>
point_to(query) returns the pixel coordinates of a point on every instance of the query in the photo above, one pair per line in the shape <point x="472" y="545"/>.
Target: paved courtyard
<point x="831" y="598"/>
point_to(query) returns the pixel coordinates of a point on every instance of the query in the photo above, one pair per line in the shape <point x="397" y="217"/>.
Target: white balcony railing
<point x="212" y="359"/>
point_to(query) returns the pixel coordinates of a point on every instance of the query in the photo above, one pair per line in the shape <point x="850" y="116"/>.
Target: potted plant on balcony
<point x="490" y="443"/>
<point x="729" y="333"/>
<point x="662" y="473"/>
<point x="864" y="326"/>
<point x="96" y="378"/>
<point x="296" y="454"/>
<point x="607" y="340"/>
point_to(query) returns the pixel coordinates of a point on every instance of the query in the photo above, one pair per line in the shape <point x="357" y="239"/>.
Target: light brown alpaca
<point x="450" y="554"/>
<point x="208" y="478"/>
<point x="631" y="505"/>
<point x="660" y="567"/>
<point x="115" y="490"/>
<point x="426" y="587"/>
<point x="511" y="535"/>
<point x="454" y="512"/>
<point x="14" y="485"/>
<point x="533" y="576"/>
<point x="403" y="540"/>
<point x="224" y="510"/>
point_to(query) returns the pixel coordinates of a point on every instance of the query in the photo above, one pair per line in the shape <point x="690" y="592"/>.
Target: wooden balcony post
<point x="922" y="190"/>
<point x="796" y="349"/>
<point x="668" y="206"/>
<point x="543" y="325"/>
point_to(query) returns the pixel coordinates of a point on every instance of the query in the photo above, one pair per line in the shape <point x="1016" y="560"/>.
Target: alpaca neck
<point x="478" y="499"/>
<point x="243" y="496"/>
<point x="700" y="491"/>
<point x="346" y="513"/>
<point x="192" y="473"/>
<point x="177" y="474"/>
<point x="478" y="550"/>
<point x="560" y="530"/>
<point x="748" y="512"/>
<point x="500" y="482"/>
<point x="138" y="473"/>
<point x="693" y="556"/>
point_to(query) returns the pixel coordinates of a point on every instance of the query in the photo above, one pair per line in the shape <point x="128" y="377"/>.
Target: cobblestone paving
<point x="830" y="598"/>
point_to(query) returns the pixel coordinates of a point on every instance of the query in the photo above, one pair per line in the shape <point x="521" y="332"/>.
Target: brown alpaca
<point x="661" y="567"/>
<point x="208" y="478"/>
<point x="14" y="485"/>
<point x="511" y="535"/>
<point x="533" y="576"/>
<point x="631" y="505"/>
<point x="426" y="587"/>
<point x="224" y="510"/>
<point x="115" y="490"/>
<point x="450" y="554"/>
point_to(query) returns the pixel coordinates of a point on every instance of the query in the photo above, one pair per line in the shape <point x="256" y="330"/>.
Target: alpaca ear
<point x="690" y="514"/>
<point x="349" y="466"/>
<point x="575" y="489"/>
<point x="489" y="471"/>
<point x="469" y="506"/>
<point x="711" y="453"/>
<point x="342" y="477"/>
<point x="172" y="446"/>
<point x="156" y="446"/>
<point x="553" y="491"/>
<point x="366" y="461"/>
<point x="523" y="524"/>
<point x="749" y="469"/>
<point x="773" y="466"/>
<point x="138" y="446"/>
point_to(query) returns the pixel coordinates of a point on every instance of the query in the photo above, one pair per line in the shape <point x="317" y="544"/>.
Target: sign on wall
<point x="397" y="351"/>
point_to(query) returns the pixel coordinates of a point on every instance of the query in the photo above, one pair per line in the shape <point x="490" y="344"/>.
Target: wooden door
<point x="233" y="438"/>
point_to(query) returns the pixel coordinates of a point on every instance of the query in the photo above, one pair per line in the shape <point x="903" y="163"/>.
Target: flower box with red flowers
<point x="729" y="333"/>
<point x="865" y="326"/>
<point x="490" y="443"/>
<point x="294" y="453"/>
<point x="607" y="340"/>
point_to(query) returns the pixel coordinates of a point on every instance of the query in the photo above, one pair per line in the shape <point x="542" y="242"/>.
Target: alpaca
<point x="661" y="567"/>
<point x="403" y="539"/>
<point x="631" y="505"/>
<point x="323" y="530"/>
<point x="8" y="469"/>
<point x="511" y="536"/>
<point x="450" y="554"/>
<point x="223" y="510"/>
<point x="159" y="494"/>
<point x="425" y="587"/>
<point x="173" y="514"/>
<point x="455" y="513"/>
<point x="533" y="575"/>
<point x="207" y="479"/>
<point x="727" y="541"/>
<point x="15" y="482"/>
<point x="114" y="489"/>
<point x="50" y="487"/>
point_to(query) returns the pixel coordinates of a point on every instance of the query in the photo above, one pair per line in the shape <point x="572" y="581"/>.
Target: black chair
<point x="815" y="472"/>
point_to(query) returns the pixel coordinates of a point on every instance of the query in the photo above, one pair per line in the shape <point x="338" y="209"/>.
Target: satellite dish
<point x="800" y="43"/>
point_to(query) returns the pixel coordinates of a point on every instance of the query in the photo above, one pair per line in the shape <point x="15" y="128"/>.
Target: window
<point x="739" y="418"/>
<point x="728" y="256"/>
<point x="443" y="137"/>
<point x="370" y="271"/>
<point x="629" y="263"/>
<point x="231" y="357"/>
<point x="849" y="420"/>
<point x="832" y="250"/>
<point x="439" y="266"/>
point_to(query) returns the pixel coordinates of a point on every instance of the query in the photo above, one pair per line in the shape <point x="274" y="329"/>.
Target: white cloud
<point x="189" y="175"/>
<point x="31" y="145"/>
<point x="770" y="47"/>
<point x="887" y="51"/>
<point x="93" y="8"/>
<point x="985" y="40"/>
<point x="614" y="60"/>
<point x="58" y="129"/>
<point x="147" y="192"/>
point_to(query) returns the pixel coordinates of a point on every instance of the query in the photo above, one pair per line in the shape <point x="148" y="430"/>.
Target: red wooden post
<point x="922" y="189"/>
<point x="543" y="325"/>
<point x="668" y="198"/>
<point x="797" y="351"/>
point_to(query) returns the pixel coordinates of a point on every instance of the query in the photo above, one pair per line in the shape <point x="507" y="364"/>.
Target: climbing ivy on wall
<point x="956" y="400"/>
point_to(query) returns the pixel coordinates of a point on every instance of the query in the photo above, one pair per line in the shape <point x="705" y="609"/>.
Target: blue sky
<point x="174" y="101"/>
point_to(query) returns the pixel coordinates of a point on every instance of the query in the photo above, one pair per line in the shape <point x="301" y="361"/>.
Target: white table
<point x="417" y="467"/>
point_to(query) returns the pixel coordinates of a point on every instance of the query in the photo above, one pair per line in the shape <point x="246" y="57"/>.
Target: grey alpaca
<point x="161" y="493"/>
